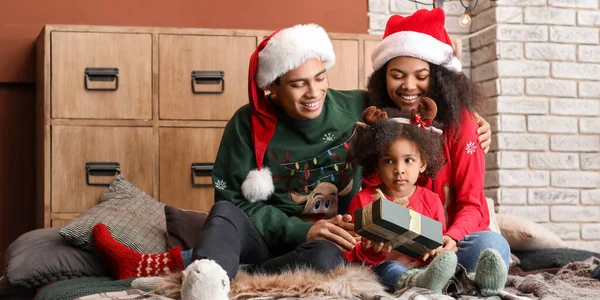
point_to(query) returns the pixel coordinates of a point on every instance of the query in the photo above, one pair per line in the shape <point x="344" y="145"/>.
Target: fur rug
<point x="348" y="282"/>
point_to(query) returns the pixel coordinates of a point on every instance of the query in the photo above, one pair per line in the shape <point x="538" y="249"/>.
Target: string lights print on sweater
<point x="329" y="173"/>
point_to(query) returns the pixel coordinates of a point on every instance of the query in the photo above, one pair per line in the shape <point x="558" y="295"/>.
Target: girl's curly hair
<point x="451" y="91"/>
<point x="372" y="142"/>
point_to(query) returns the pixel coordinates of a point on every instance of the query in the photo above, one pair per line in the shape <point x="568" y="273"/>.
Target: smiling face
<point x="407" y="81"/>
<point x="301" y="91"/>
<point x="399" y="168"/>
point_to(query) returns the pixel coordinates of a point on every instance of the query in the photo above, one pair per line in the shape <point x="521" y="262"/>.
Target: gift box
<point x="404" y="229"/>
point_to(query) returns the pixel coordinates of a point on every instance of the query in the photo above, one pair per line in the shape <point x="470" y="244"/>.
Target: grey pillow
<point x="133" y="217"/>
<point x="41" y="256"/>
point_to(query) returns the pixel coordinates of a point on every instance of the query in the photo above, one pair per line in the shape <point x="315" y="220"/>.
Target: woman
<point x="414" y="60"/>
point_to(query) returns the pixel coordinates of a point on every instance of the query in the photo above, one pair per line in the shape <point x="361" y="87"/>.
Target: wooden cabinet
<point x="344" y="74"/>
<point x="185" y="156"/>
<point x="101" y="75"/>
<point x="368" y="66"/>
<point x="153" y="100"/>
<point x="185" y="60"/>
<point x="75" y="146"/>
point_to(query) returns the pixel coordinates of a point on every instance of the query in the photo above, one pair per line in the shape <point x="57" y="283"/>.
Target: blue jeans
<point x="469" y="249"/>
<point x="389" y="272"/>
<point x="186" y="255"/>
<point x="471" y="246"/>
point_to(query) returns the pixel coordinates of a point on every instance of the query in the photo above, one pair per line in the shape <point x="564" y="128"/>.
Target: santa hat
<point x="282" y="51"/>
<point x="421" y="35"/>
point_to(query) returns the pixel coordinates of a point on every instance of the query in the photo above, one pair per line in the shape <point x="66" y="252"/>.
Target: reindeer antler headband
<point x="423" y="118"/>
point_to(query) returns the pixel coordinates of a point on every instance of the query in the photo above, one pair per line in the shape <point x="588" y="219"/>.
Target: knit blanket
<point x="348" y="282"/>
<point x="124" y="295"/>
<point x="573" y="281"/>
<point x="80" y="287"/>
<point x="409" y="294"/>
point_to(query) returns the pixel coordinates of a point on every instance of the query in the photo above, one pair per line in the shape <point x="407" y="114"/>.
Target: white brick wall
<point x="576" y="70"/>
<point x="590" y="196"/>
<point x="580" y="143"/>
<point x="552" y="124"/>
<point x="589" y="89"/>
<point x="522" y="104"/>
<point x="565" y="231"/>
<point x="553" y="160"/>
<point x="590" y="161"/>
<point x="576" y="35"/>
<point x="574" y="3"/>
<point x="575" y="107"/>
<point x="538" y="61"/>
<point x="588" y="18"/>
<point x="589" y="53"/>
<point x="564" y="213"/>
<point x="512" y="196"/>
<point x="545" y="71"/>
<point x="551" y="87"/>
<point x="548" y="15"/>
<point x="553" y="196"/>
<point x="550" y="51"/>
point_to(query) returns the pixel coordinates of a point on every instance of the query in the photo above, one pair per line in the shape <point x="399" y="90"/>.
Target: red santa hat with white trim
<point x="421" y="35"/>
<point x="282" y="51"/>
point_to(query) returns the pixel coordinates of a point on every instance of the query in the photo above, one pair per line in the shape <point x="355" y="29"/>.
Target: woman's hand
<point x="484" y="132"/>
<point x="449" y="244"/>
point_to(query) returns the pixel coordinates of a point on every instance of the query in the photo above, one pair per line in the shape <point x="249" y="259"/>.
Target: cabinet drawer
<point x="74" y="146"/>
<point x="368" y="50"/>
<point x="59" y="222"/>
<point x="344" y="74"/>
<point x="179" y="149"/>
<point x="101" y="75"/>
<point x="183" y="97"/>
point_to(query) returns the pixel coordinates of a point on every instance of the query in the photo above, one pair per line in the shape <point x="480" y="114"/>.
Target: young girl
<point x="400" y="150"/>
<point x="414" y="60"/>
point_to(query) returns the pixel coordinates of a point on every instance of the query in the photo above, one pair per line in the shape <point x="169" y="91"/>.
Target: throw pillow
<point x="133" y="218"/>
<point x="41" y="256"/>
<point x="552" y="258"/>
<point x="183" y="226"/>
<point x="493" y="220"/>
<point x="525" y="235"/>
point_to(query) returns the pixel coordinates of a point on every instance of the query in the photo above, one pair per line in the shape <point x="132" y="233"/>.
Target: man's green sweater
<point x="311" y="164"/>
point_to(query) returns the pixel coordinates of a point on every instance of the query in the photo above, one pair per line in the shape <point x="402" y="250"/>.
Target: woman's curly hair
<point x="451" y="91"/>
<point x="373" y="140"/>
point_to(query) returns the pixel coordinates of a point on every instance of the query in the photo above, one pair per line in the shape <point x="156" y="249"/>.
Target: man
<point x="285" y="162"/>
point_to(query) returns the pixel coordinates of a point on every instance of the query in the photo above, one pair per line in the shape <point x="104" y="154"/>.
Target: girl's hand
<point x="433" y="253"/>
<point x="377" y="247"/>
<point x="449" y="244"/>
<point x="484" y="132"/>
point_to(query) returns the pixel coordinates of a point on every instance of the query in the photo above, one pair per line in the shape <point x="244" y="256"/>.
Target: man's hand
<point x="449" y="244"/>
<point x="337" y="230"/>
<point x="484" y="132"/>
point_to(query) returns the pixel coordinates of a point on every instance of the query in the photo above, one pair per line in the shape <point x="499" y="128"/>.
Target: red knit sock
<point x="126" y="263"/>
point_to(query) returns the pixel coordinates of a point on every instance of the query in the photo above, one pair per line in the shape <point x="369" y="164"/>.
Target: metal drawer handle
<point x="101" y="74"/>
<point x="208" y="77"/>
<point x="102" y="169"/>
<point x="201" y="169"/>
